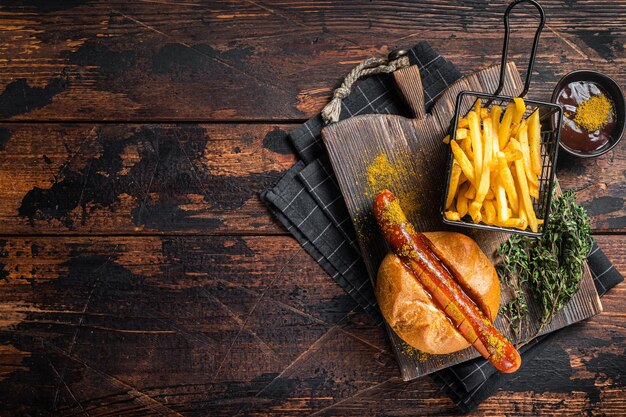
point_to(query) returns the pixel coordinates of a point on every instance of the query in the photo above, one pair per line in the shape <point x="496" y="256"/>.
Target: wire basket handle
<point x="505" y="47"/>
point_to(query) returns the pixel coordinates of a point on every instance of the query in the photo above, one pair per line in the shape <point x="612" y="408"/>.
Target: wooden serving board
<point x="415" y="144"/>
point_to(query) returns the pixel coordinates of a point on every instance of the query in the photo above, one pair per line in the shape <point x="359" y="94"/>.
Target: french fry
<point x="484" y="138"/>
<point x="522" y="215"/>
<point x="533" y="190"/>
<point x="506" y="180"/>
<point x="514" y="222"/>
<point x="467" y="147"/>
<point x="462" y="178"/>
<point x="520" y="108"/>
<point x="446" y="139"/>
<point x="483" y="185"/>
<point x="474" y="212"/>
<point x="501" y="206"/>
<point x="534" y="141"/>
<point x="523" y="142"/>
<point x="461" y="134"/>
<point x="464" y="162"/>
<point x="522" y="212"/>
<point x="484" y="113"/>
<point x="477" y="145"/>
<point x="514" y="129"/>
<point x="524" y="224"/>
<point x="495" y="128"/>
<point x="452" y="215"/>
<point x="490" y="212"/>
<point x="462" y="123"/>
<point x="504" y="131"/>
<point x="461" y="201"/>
<point x="491" y="161"/>
<point x="496" y="112"/>
<point x="524" y="194"/>
<point x="477" y="106"/>
<point x="512" y="154"/>
<point x="454" y="182"/>
<point x="470" y="194"/>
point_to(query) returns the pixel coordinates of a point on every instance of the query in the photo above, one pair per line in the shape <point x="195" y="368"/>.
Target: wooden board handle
<point x="409" y="84"/>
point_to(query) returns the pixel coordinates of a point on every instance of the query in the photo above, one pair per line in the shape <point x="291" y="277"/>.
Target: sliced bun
<point x="411" y="312"/>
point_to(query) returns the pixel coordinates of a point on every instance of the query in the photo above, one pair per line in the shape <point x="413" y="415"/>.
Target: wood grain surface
<point x="128" y="178"/>
<point x="153" y="59"/>
<point x="139" y="273"/>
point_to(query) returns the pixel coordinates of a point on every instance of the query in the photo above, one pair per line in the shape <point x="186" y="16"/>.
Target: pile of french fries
<point x="496" y="167"/>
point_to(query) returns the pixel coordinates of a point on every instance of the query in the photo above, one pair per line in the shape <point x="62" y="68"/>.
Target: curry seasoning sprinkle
<point x="498" y="346"/>
<point x="379" y="173"/>
<point x="382" y="174"/>
<point x="414" y="353"/>
<point x="594" y="113"/>
<point x="393" y="215"/>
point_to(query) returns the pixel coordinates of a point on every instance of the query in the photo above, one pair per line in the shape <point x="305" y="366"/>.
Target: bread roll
<point x="411" y="312"/>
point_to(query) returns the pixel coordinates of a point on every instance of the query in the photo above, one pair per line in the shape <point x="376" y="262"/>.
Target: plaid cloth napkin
<point x="308" y="202"/>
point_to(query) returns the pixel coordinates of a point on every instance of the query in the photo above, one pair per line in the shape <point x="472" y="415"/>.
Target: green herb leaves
<point x="550" y="267"/>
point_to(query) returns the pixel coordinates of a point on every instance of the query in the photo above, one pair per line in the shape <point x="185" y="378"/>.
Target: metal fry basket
<point x="550" y="116"/>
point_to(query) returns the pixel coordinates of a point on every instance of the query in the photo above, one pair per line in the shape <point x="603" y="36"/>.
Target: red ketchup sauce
<point x="574" y="136"/>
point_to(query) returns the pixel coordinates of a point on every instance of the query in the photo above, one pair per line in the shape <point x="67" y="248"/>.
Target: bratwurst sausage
<point x="415" y="251"/>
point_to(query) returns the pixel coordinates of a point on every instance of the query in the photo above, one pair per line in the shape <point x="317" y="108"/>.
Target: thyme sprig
<point x="550" y="267"/>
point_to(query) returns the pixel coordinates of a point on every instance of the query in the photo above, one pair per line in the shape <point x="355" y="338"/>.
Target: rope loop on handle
<point x="371" y="66"/>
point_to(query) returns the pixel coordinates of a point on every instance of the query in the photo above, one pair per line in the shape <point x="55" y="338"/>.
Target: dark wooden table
<point x="139" y="272"/>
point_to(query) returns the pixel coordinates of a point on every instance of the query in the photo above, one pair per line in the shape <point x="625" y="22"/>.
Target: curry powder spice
<point x="414" y="353"/>
<point x="393" y="215"/>
<point x="383" y="174"/>
<point x="593" y="114"/>
<point x="498" y="346"/>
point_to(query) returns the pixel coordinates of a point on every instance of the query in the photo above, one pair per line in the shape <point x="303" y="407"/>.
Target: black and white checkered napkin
<point x="308" y="202"/>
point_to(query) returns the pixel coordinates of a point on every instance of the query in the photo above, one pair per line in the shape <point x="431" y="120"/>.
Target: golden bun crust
<point x="410" y="311"/>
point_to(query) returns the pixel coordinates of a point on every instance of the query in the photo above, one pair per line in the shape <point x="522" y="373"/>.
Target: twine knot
<point x="371" y="66"/>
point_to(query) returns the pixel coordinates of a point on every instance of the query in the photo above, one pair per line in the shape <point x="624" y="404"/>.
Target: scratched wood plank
<point x="156" y="323"/>
<point x="415" y="146"/>
<point x="93" y="178"/>
<point x="206" y="183"/>
<point x="209" y="325"/>
<point x="277" y="59"/>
